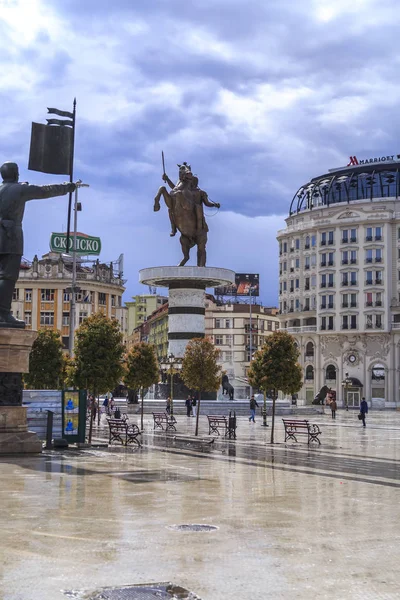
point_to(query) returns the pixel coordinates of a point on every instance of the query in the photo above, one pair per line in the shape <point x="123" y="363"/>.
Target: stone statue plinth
<point x="15" y="345"/>
<point x="186" y="304"/>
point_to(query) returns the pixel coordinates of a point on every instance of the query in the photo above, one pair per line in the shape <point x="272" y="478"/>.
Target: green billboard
<point x="85" y="244"/>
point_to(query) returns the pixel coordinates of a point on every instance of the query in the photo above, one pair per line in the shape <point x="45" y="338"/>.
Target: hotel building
<point x="339" y="282"/>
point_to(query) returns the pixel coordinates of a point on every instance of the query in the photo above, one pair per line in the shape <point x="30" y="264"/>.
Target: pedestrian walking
<point x="333" y="407"/>
<point x="363" y="410"/>
<point x="253" y="404"/>
<point x="194" y="403"/>
<point x="111" y="405"/>
<point x="105" y="404"/>
<point x="168" y="407"/>
<point x="188" y="406"/>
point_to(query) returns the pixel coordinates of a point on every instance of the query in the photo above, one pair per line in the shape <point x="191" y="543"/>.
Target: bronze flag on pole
<point x="52" y="148"/>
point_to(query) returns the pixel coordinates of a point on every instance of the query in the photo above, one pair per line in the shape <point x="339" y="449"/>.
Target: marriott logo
<point x="354" y="160"/>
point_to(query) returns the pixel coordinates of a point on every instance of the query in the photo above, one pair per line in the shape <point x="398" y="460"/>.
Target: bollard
<point x="49" y="430"/>
<point x="232" y="425"/>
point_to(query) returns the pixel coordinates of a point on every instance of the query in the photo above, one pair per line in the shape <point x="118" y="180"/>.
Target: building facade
<point x="235" y="330"/>
<point x="141" y="307"/>
<point x="339" y="283"/>
<point x="42" y="297"/>
<point x="238" y="330"/>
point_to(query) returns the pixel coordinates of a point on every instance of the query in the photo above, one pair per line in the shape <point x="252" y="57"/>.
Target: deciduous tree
<point x="98" y="362"/>
<point x="275" y="367"/>
<point x="141" y="369"/>
<point x="200" y="370"/>
<point x="46" y="362"/>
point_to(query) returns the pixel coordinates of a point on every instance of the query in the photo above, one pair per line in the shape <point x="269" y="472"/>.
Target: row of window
<point x="48" y="295"/>
<point x="327" y="302"/>
<point x="348" y="236"/>
<point x="350" y="322"/>
<point x="257" y="324"/>
<point x="377" y="373"/>
<point x="349" y="257"/>
<point x="47" y="318"/>
<point x="348" y="278"/>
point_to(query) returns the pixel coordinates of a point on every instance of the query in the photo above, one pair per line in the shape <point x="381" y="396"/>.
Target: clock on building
<point x="352" y="358"/>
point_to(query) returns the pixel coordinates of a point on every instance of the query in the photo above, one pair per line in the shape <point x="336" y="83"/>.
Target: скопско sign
<point x="85" y="244"/>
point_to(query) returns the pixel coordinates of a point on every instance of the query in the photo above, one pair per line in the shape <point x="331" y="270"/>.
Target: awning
<point x="355" y="382"/>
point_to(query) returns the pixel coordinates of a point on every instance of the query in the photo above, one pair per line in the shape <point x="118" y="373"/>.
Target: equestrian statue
<point x="185" y="209"/>
<point x="227" y="388"/>
<point x="320" y="397"/>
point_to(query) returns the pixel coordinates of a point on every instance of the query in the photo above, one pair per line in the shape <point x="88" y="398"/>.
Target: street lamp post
<point x="346" y="383"/>
<point x="77" y="208"/>
<point x="168" y="365"/>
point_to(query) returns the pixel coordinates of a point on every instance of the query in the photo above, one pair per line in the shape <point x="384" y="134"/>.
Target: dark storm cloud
<point x="258" y="96"/>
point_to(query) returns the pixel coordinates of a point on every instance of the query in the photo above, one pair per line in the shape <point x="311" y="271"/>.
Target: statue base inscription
<point x="15" y="346"/>
<point x="186" y="299"/>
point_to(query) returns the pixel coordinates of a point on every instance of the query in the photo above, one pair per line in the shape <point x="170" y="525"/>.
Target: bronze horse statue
<point x="227" y="388"/>
<point x="185" y="207"/>
<point x="320" y="397"/>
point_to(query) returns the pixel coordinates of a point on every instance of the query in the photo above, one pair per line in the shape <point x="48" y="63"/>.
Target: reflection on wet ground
<point x="289" y="519"/>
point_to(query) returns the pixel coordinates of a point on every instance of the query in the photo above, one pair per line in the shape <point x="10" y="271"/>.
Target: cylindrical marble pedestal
<point x="186" y="306"/>
<point x="15" y="346"/>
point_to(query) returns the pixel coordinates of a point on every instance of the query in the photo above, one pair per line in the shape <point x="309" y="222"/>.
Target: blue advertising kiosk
<point x="74" y="416"/>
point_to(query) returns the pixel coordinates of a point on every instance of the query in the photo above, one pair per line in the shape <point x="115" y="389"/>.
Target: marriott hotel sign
<point x="354" y="161"/>
<point x="359" y="162"/>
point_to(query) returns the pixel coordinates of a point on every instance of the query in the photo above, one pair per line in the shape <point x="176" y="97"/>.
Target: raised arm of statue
<point x="167" y="180"/>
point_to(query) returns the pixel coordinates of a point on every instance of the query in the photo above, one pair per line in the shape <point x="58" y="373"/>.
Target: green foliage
<point x="98" y="362"/>
<point x="200" y="370"/>
<point x="141" y="366"/>
<point x="275" y="366"/>
<point x="46" y="362"/>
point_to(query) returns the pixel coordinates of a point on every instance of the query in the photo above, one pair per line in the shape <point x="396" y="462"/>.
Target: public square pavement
<point x="292" y="522"/>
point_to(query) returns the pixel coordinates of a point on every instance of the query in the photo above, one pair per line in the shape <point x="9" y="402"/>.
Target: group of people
<point x="109" y="404"/>
<point x="191" y="404"/>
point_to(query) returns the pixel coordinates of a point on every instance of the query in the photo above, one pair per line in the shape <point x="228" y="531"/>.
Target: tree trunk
<point x="273" y="416"/>
<point x="197" y="415"/>
<point x="91" y="419"/>
<point x="142" y="409"/>
<point x="98" y="410"/>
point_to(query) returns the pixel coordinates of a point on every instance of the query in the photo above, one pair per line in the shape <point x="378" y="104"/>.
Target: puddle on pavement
<point x="148" y="591"/>
<point x="193" y="527"/>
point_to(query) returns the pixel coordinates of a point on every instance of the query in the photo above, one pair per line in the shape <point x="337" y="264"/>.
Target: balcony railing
<point x="303" y="329"/>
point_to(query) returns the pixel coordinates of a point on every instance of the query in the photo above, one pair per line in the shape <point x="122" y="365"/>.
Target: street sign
<point x="85" y="244"/>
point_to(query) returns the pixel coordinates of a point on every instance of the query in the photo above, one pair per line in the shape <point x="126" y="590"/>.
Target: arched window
<point x="310" y="349"/>
<point x="307" y="245"/>
<point x="378" y="373"/>
<point x="310" y="373"/>
<point x="331" y="372"/>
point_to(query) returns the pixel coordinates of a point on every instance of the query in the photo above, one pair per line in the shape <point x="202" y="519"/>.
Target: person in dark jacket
<point x="253" y="404"/>
<point x="333" y="407"/>
<point x="363" y="410"/>
<point x="188" y="406"/>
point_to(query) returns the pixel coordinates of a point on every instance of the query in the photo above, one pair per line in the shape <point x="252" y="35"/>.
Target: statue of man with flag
<point x="13" y="196"/>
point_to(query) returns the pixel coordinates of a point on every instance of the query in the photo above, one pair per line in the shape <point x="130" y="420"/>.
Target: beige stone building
<point x="42" y="297"/>
<point x="238" y="335"/>
<point x="339" y="265"/>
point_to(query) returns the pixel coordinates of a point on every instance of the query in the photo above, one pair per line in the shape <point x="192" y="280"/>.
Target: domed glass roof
<point x="346" y="185"/>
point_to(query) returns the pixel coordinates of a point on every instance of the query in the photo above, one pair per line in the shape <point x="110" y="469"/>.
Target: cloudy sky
<point x="257" y="95"/>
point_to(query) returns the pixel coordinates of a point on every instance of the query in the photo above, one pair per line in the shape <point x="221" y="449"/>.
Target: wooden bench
<point x="295" y="427"/>
<point x="163" y="419"/>
<point x="122" y="431"/>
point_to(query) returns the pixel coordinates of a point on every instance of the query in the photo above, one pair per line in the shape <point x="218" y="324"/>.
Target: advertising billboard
<point x="246" y="284"/>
